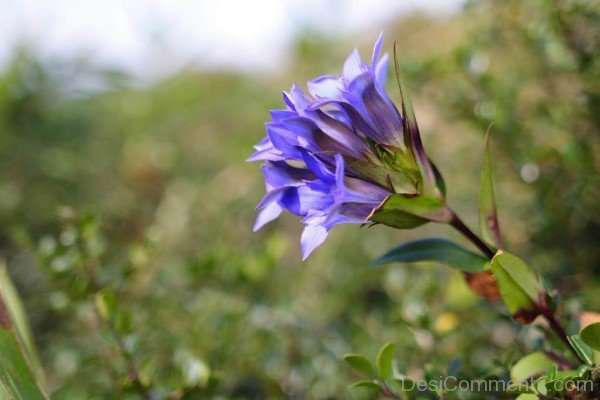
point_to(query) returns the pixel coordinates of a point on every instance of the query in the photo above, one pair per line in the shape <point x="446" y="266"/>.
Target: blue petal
<point x="301" y="200"/>
<point x="267" y="214"/>
<point x="326" y="87"/>
<point x="265" y="152"/>
<point x="319" y="168"/>
<point x="280" y="143"/>
<point x="381" y="69"/>
<point x="353" y="66"/>
<point x="312" y="237"/>
<point x="377" y="49"/>
<point x="369" y="194"/>
<point x="280" y="174"/>
<point x="386" y="118"/>
<point x="280" y="115"/>
<point x="342" y="134"/>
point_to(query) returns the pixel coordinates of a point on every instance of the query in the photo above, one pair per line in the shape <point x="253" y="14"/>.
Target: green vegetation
<point x="127" y="215"/>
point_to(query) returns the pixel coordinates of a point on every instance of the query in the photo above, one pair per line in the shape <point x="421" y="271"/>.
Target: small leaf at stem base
<point x="591" y="335"/>
<point x="519" y="287"/>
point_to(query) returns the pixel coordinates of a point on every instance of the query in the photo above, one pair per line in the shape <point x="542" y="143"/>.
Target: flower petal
<point x="312" y="237"/>
<point x="267" y="214"/>
<point x="326" y="87"/>
<point x="386" y="119"/>
<point x="353" y="66"/>
<point x="377" y="49"/>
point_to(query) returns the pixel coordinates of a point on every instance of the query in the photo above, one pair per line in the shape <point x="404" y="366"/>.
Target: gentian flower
<point x="343" y="153"/>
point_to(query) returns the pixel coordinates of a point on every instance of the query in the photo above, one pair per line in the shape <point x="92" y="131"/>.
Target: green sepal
<point x="439" y="179"/>
<point x="402" y="180"/>
<point x="404" y="211"/>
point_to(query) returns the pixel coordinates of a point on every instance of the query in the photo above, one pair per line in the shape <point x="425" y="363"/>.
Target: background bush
<point x="144" y="192"/>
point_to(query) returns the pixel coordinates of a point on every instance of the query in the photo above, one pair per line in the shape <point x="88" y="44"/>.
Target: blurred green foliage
<point x="143" y="193"/>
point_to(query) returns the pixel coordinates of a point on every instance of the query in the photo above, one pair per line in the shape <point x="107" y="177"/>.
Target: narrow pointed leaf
<point x="591" y="335"/>
<point x="17" y="379"/>
<point x="488" y="216"/>
<point x="409" y="211"/>
<point x="436" y="249"/>
<point x="584" y="351"/>
<point x="384" y="361"/>
<point x="19" y="318"/>
<point x="519" y="287"/>
<point x="359" y="363"/>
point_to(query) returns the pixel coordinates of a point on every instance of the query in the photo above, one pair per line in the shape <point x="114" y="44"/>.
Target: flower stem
<point x="560" y="332"/>
<point x="460" y="226"/>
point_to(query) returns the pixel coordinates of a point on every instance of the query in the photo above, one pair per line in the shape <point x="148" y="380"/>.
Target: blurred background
<point x="124" y="129"/>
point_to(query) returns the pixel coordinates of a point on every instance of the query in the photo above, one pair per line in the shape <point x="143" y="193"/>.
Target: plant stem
<point x="387" y="392"/>
<point x="460" y="226"/>
<point x="132" y="370"/>
<point x="560" y="331"/>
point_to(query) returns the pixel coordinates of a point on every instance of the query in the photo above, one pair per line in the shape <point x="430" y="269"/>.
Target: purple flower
<point x="335" y="155"/>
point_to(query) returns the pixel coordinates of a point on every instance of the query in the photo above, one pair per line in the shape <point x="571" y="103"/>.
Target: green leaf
<point x="366" y="390"/>
<point x="582" y="370"/>
<point x="552" y="372"/>
<point x="488" y="216"/>
<point x="584" y="351"/>
<point x="519" y="389"/>
<point x="123" y="321"/>
<point x="384" y="361"/>
<point x="519" y="287"/>
<point x="404" y="211"/>
<point x="359" y="363"/>
<point x="17" y="379"/>
<point x="365" y="384"/>
<point x="540" y="386"/>
<point x="527" y="396"/>
<point x="19" y="318"/>
<point x="406" y="386"/>
<point x="591" y="335"/>
<point x="436" y="249"/>
<point x="106" y="304"/>
<point x="530" y="365"/>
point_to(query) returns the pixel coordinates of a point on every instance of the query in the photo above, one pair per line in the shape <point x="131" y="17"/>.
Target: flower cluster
<point x="334" y="155"/>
